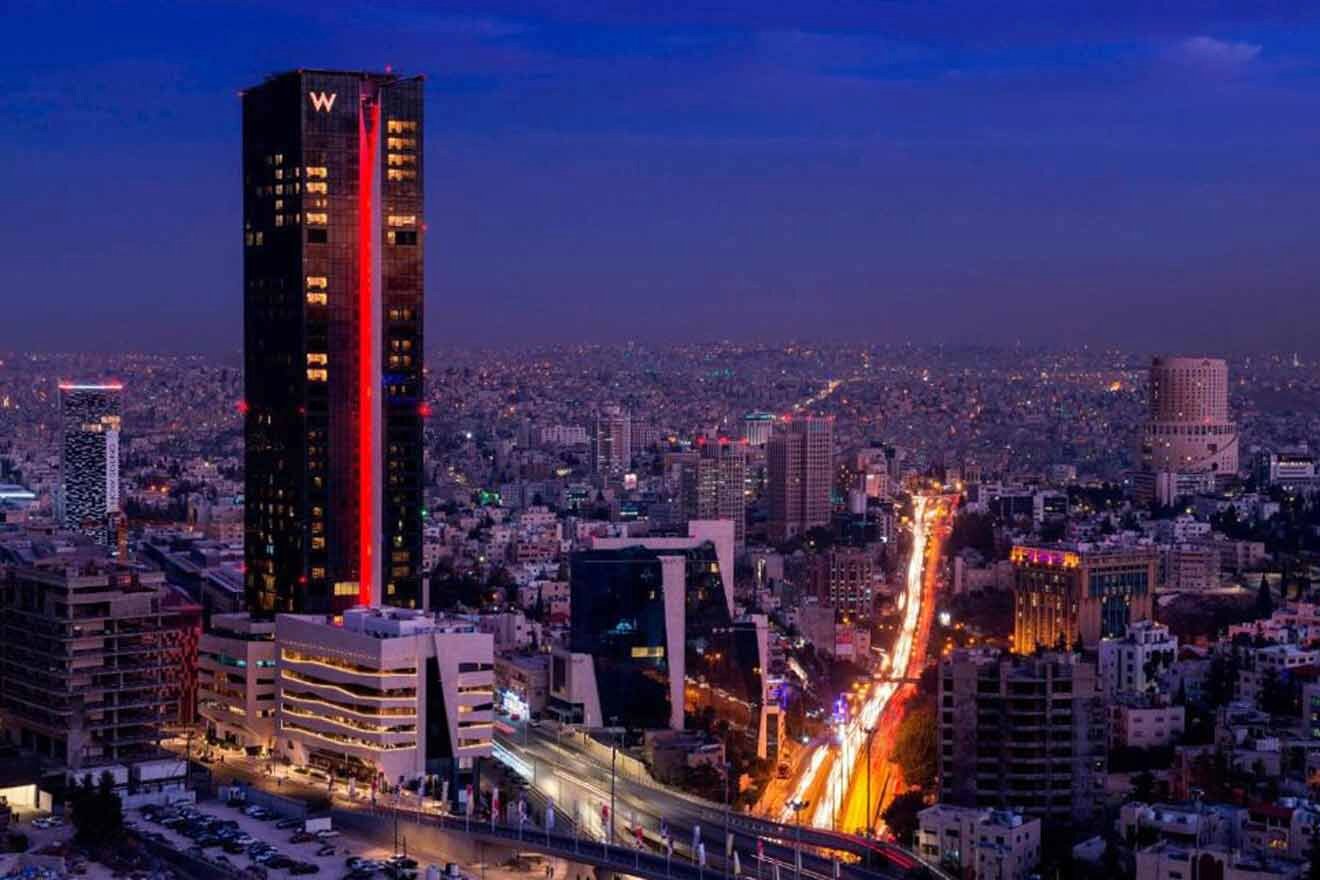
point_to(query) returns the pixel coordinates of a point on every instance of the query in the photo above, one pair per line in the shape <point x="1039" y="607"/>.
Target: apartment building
<point x="1022" y="733"/>
<point x="86" y="678"/>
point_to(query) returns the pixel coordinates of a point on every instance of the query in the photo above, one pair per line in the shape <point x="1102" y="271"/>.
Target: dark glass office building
<point x="332" y="272"/>
<point x="656" y="623"/>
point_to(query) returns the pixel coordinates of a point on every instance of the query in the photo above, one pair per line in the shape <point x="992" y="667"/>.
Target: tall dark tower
<point x="332" y="314"/>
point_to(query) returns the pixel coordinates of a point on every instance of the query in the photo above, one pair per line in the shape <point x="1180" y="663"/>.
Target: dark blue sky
<point x="1146" y="174"/>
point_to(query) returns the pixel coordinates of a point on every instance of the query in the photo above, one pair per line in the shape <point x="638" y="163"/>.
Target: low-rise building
<point x="385" y="694"/>
<point x="236" y="681"/>
<point x="978" y="842"/>
<point x="1168" y="861"/>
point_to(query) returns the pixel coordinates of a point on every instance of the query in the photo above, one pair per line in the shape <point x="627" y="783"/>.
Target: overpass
<point x="612" y="858"/>
<point x="554" y="769"/>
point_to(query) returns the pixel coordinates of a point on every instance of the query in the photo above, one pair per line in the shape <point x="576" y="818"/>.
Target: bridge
<point x="653" y="803"/>
<point x="646" y="862"/>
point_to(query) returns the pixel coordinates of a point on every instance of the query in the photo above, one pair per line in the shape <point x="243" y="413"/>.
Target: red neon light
<point x="243" y="407"/>
<point x="367" y="136"/>
<point x="424" y="410"/>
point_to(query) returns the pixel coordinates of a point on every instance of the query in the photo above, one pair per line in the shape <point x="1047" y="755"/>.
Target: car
<point x="301" y="837"/>
<point x="404" y="862"/>
<point x="279" y="861"/>
<point x="254" y="810"/>
<point x="233" y="847"/>
<point x="353" y="861"/>
<point x="326" y="850"/>
<point x="327" y="834"/>
<point x="304" y="868"/>
<point x="235" y="802"/>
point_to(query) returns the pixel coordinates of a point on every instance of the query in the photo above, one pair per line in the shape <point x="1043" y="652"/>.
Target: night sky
<point x="1147" y="175"/>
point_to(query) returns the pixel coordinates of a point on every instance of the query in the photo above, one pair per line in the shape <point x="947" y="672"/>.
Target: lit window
<point x="317" y="187"/>
<point x="317" y="282"/>
<point x="400" y="126"/>
<point x="400" y="174"/>
<point x="317" y="375"/>
<point x="395" y="160"/>
<point x="318" y="573"/>
<point x="318" y="543"/>
<point x="317" y="299"/>
<point x="399" y="143"/>
<point x="320" y="218"/>
<point x="346" y="588"/>
<point x="317" y="358"/>
<point x="402" y="220"/>
<point x="317" y="171"/>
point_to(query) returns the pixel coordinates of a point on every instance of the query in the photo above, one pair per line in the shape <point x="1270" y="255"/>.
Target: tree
<point x="1264" y="600"/>
<point x="901" y="816"/>
<point x="915" y="747"/>
<point x="96" y="811"/>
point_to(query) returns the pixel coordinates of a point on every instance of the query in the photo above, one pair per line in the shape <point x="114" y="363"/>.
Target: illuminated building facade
<point x="385" y="694"/>
<point x="89" y="457"/>
<point x="1069" y="595"/>
<point x="333" y="234"/>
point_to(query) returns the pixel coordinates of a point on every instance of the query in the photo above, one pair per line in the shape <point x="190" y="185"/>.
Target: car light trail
<point x="851" y="738"/>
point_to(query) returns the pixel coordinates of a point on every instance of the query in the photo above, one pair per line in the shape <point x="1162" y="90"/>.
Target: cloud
<point x="1214" y="56"/>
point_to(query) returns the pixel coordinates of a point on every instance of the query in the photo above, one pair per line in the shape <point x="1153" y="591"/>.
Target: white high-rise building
<point x="89" y="457"/>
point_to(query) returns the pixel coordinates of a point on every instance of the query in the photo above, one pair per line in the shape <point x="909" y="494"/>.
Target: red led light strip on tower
<point x="368" y="135"/>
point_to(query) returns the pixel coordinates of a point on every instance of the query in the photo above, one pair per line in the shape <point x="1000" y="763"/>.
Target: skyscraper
<point x="332" y="272"/>
<point x="612" y="442"/>
<point x="1188" y="429"/>
<point x="714" y="486"/>
<point x="89" y="457"/>
<point x="799" y="456"/>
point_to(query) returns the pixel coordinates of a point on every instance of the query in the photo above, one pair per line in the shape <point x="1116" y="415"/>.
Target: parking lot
<point x="241" y="838"/>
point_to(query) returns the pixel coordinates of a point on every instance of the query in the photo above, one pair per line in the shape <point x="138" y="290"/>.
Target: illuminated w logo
<point x="322" y="101"/>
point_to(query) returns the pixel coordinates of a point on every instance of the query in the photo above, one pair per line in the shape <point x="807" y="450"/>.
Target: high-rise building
<point x="612" y="441"/>
<point x="757" y="427"/>
<point x="1022" y="733"/>
<point x="799" y="456"/>
<point x="88" y="675"/>
<point x="332" y="271"/>
<point x="1079" y="594"/>
<point x="840" y="577"/>
<point x="714" y="486"/>
<point x="90" y="421"/>
<point x="1188" y="429"/>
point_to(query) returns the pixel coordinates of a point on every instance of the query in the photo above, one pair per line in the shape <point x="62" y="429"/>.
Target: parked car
<point x="287" y="823"/>
<point x="304" y="868"/>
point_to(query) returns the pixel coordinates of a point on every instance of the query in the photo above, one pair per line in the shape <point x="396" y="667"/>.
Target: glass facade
<point x="619" y="618"/>
<point x="332" y="209"/>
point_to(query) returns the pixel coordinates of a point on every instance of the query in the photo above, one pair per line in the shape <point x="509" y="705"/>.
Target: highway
<point x="566" y="774"/>
<point x="833" y="773"/>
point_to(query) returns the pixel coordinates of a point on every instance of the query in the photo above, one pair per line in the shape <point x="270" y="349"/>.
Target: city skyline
<point x="740" y="173"/>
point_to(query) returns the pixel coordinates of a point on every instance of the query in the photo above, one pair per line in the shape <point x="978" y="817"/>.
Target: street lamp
<point x="870" y="734"/>
<point x="797" y="806"/>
